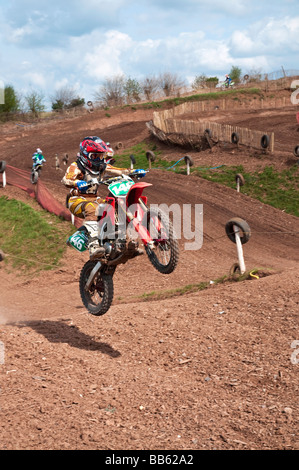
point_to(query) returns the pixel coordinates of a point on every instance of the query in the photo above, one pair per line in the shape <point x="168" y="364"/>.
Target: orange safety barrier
<point x="21" y="179"/>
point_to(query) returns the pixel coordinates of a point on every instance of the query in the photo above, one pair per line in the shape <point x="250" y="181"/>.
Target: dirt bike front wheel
<point x="98" y="298"/>
<point x="164" y="252"/>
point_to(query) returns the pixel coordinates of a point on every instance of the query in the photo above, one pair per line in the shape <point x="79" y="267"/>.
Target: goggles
<point x="96" y="156"/>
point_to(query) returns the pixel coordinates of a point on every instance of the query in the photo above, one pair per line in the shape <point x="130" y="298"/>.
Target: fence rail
<point x="173" y="129"/>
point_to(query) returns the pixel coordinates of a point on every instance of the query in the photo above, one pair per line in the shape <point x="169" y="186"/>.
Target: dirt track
<point x="206" y="370"/>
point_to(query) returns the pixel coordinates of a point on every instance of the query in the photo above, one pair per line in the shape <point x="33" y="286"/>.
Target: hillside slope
<point x="207" y="370"/>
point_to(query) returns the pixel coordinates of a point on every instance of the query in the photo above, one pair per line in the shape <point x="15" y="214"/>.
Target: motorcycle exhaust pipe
<point x="92" y="275"/>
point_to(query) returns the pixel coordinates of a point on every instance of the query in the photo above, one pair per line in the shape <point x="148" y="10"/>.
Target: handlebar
<point x="134" y="174"/>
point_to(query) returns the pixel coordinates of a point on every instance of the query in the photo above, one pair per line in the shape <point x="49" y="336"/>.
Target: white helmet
<point x="39" y="151"/>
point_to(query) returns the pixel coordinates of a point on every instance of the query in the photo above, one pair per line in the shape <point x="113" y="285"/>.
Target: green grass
<point x="139" y="152"/>
<point x="254" y="274"/>
<point x="279" y="189"/>
<point x="31" y="240"/>
<point x="213" y="95"/>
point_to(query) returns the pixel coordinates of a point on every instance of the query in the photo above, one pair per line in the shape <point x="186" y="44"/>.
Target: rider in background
<point x="90" y="165"/>
<point x="38" y="158"/>
<point x="227" y="80"/>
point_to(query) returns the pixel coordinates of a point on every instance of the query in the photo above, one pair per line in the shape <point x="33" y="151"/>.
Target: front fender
<point x="135" y="192"/>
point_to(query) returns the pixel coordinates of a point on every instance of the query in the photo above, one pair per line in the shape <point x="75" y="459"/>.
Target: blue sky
<point x="45" y="45"/>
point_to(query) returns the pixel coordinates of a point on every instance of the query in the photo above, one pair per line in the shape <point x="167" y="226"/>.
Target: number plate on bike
<point x="120" y="188"/>
<point x="78" y="241"/>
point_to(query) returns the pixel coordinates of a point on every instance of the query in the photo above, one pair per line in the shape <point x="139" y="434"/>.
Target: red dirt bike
<point x="124" y="222"/>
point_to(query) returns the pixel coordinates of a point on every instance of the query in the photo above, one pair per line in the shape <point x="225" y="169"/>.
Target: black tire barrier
<point x="208" y="132"/>
<point x="240" y="179"/>
<point x="245" y="231"/>
<point x="133" y="159"/>
<point x="265" y="141"/>
<point x="2" y="166"/>
<point x="90" y="105"/>
<point x="188" y="160"/>
<point x="296" y="151"/>
<point x="150" y="156"/>
<point x="119" y="146"/>
<point x="235" y="138"/>
<point x="246" y="77"/>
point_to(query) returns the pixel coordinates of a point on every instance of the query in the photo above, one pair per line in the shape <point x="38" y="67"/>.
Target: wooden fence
<point x="171" y="127"/>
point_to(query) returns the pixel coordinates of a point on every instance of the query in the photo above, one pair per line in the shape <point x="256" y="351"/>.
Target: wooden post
<point x="272" y="142"/>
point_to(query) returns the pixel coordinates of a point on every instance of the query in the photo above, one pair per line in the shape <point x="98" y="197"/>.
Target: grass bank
<point x="32" y="240"/>
<point x="279" y="189"/>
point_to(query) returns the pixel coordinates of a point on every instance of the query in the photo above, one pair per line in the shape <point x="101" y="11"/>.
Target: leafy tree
<point x="212" y="82"/>
<point x="235" y="74"/>
<point x="57" y="105"/>
<point x="132" y="90"/>
<point x="11" y="100"/>
<point x="65" y="98"/>
<point x="76" y="102"/>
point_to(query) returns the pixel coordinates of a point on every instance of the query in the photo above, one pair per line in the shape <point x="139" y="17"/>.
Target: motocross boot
<point x="94" y="247"/>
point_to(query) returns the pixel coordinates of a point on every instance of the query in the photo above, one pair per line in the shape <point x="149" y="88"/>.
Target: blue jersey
<point x="38" y="159"/>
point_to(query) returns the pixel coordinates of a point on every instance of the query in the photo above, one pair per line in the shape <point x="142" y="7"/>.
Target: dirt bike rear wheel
<point x="165" y="254"/>
<point x="34" y="177"/>
<point x="98" y="298"/>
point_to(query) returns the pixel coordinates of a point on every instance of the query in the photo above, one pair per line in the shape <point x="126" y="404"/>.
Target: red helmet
<point x="92" y="154"/>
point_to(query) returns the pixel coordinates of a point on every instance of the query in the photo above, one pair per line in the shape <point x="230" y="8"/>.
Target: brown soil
<point x="210" y="369"/>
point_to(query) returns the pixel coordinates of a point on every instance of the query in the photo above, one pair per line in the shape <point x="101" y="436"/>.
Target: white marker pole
<point x="239" y="249"/>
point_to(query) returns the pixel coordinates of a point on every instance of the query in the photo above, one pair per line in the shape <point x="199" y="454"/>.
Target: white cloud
<point x="49" y="44"/>
<point x="105" y="59"/>
<point x="37" y="79"/>
<point x="270" y="37"/>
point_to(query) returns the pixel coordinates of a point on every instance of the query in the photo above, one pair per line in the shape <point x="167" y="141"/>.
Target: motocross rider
<point x="89" y="166"/>
<point x="227" y="80"/>
<point x="38" y="158"/>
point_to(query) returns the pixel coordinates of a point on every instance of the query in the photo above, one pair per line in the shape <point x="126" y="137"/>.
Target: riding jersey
<point x="38" y="159"/>
<point x="74" y="176"/>
<point x="83" y="201"/>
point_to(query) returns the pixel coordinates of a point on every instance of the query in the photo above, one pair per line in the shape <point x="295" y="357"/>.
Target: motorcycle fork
<point x="92" y="275"/>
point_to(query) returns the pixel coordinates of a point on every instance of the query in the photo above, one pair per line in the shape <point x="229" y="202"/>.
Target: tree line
<point x="116" y="91"/>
